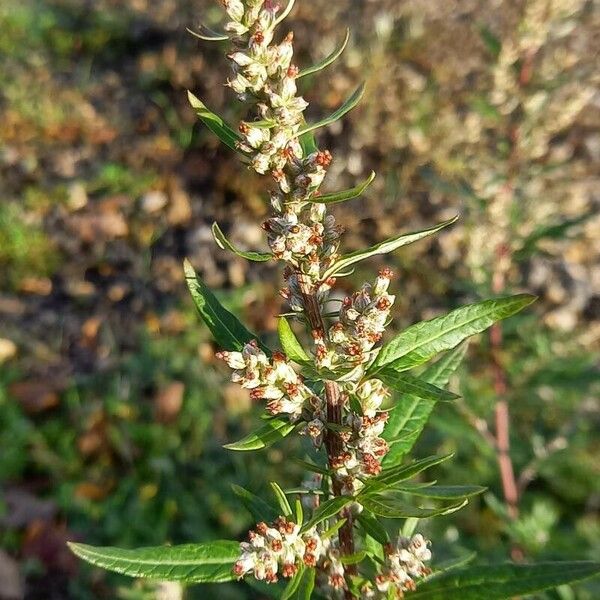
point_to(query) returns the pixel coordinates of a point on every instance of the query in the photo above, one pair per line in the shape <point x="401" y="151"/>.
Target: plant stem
<point x="333" y="443"/>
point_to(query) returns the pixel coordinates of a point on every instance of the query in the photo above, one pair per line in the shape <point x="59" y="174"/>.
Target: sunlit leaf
<point x="327" y="60"/>
<point x="225" y="327"/>
<point x="211" y="562"/>
<point x="290" y="344"/>
<point x="373" y="527"/>
<point x="270" y="433"/>
<point x="208" y="34"/>
<point x="335" y="197"/>
<point x="384" y="247"/>
<point x="500" y="582"/>
<point x="424" y="340"/>
<point x="282" y="500"/>
<point x="347" y="106"/>
<point x="225" y="244"/>
<point x="392" y="506"/>
<point x="215" y="123"/>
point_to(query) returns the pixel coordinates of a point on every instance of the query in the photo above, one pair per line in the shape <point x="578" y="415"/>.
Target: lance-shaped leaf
<point x="392" y="506"/>
<point x="305" y="586"/>
<point x="373" y="527"/>
<point x="225" y="327"/>
<point x="208" y="34"/>
<point x="225" y="244"/>
<point x="211" y="562"/>
<point x="410" y="413"/>
<point x="390" y="477"/>
<point x="327" y="60"/>
<point x="348" y="105"/>
<point x="293" y="583"/>
<point x="326" y="510"/>
<point x="424" y="340"/>
<point x="286" y="11"/>
<point x="282" y="500"/>
<point x="406" y="384"/>
<point x="384" y="247"/>
<point x="290" y="344"/>
<point x="308" y="143"/>
<point x="255" y="505"/>
<point x="501" y="582"/>
<point x="335" y="197"/>
<point x="215" y="123"/>
<point x="270" y="433"/>
<point x="442" y="492"/>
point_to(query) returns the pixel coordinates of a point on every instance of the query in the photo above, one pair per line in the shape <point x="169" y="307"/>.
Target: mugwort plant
<point x="350" y="392"/>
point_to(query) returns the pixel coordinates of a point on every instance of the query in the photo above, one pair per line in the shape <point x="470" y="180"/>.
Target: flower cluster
<point x="362" y="320"/>
<point x="272" y="380"/>
<point x="404" y="562"/>
<point x="278" y="548"/>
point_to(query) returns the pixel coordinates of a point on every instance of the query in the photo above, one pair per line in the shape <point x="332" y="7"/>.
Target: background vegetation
<point x="112" y="410"/>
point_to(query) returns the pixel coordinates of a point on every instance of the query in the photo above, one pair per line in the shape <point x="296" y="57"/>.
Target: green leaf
<point x="393" y="507"/>
<point x="454" y="563"/>
<point x="299" y="512"/>
<point x="373" y="527"/>
<point x="290" y="344"/>
<point x="333" y="529"/>
<point x="410" y="414"/>
<point x="273" y="431"/>
<point x="384" y="247"/>
<point x="327" y="60"/>
<point x="225" y="244"/>
<point x="394" y="475"/>
<point x="227" y="330"/>
<point x="223" y="131"/>
<point x="499" y="582"/>
<point x="348" y="105"/>
<point x="211" y="562"/>
<point x="293" y="583"/>
<point x="308" y="143"/>
<point x="306" y="586"/>
<point x="424" y="340"/>
<point x="353" y="559"/>
<point x="344" y="195"/>
<point x="419" y="388"/>
<point x="256" y="506"/>
<point x="310" y="466"/>
<point x="207" y="34"/>
<point x="326" y="510"/>
<point x="442" y="492"/>
<point x="286" y="509"/>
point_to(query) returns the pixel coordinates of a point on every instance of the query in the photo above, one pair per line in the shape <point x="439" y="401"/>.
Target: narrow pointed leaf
<point x="282" y="500"/>
<point x="353" y="559"/>
<point x="327" y="60"/>
<point x="299" y="512"/>
<point x="308" y="143"/>
<point x="410" y="414"/>
<point x="501" y="582"/>
<point x="211" y="562"/>
<point x="309" y="466"/>
<point x="293" y="583"/>
<point x="392" y="507"/>
<point x="255" y="505"/>
<point x="215" y="123"/>
<point x="208" y="34"/>
<point x="270" y="433"/>
<point x="424" y="340"/>
<point x="335" y="197"/>
<point x="290" y="344"/>
<point x="225" y="327"/>
<point x="306" y="586"/>
<point x="326" y="510"/>
<point x="407" y="384"/>
<point x="225" y="244"/>
<point x="384" y="247"/>
<point x="333" y="529"/>
<point x="442" y="492"/>
<point x="454" y="563"/>
<point x="286" y="11"/>
<point x="373" y="527"/>
<point x="348" y="105"/>
<point x="390" y="477"/>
